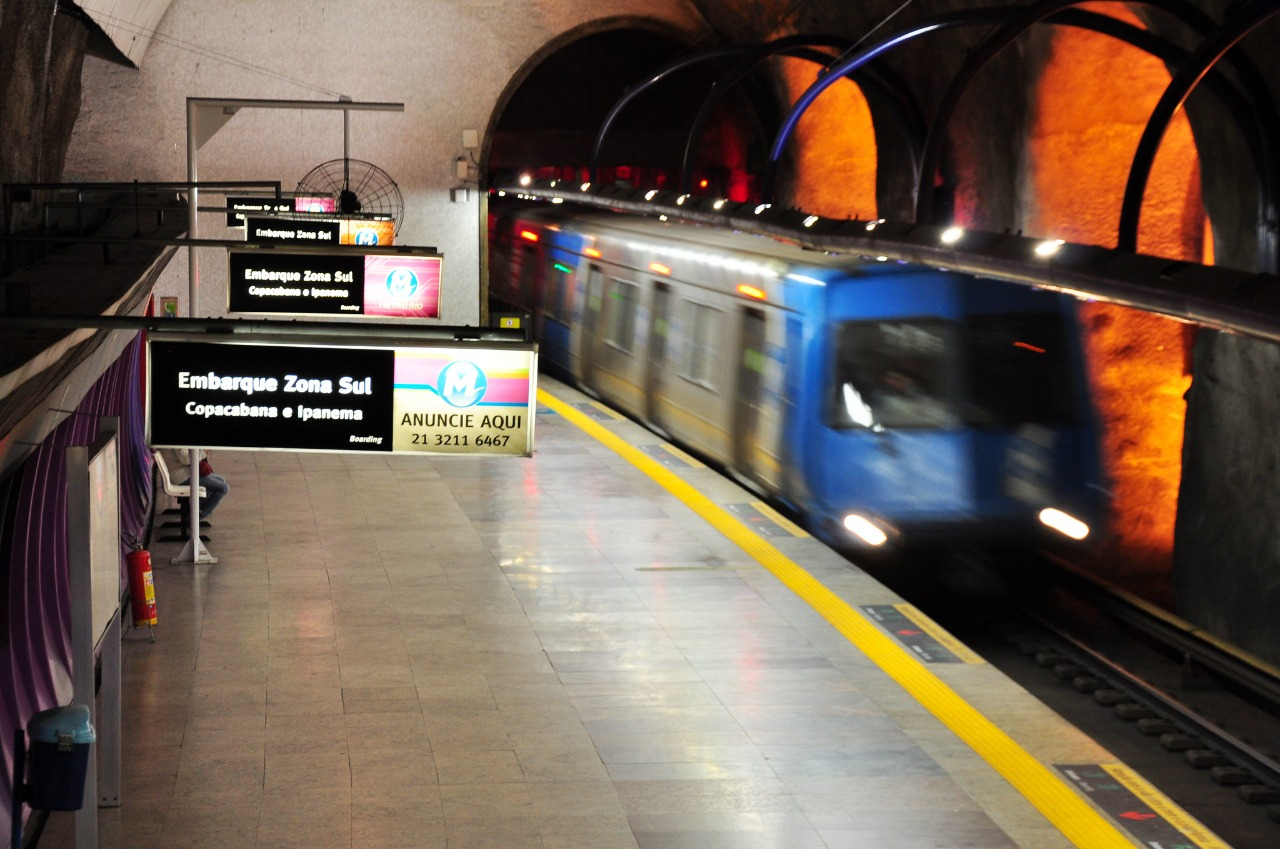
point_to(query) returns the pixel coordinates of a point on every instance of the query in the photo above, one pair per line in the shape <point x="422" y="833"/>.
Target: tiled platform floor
<point x="553" y="652"/>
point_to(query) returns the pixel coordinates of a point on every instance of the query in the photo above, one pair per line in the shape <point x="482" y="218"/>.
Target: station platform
<point x="604" y="646"/>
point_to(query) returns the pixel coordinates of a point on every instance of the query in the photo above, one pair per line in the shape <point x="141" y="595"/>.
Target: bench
<point x="175" y="490"/>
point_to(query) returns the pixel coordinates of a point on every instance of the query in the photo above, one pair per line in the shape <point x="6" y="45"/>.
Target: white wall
<point x="448" y="61"/>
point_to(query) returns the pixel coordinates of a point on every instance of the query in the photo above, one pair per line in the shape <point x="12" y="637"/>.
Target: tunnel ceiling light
<point x="762" y="207"/>
<point x="526" y="179"/>
<point x="1049" y="248"/>
<point x="680" y="200"/>
<point x="649" y="195"/>
<point x="718" y="204"/>
<point x="871" y="225"/>
<point x="811" y="220"/>
<point x="584" y="186"/>
<point x="951" y="235"/>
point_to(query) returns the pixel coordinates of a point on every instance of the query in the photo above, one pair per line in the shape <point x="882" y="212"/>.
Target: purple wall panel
<point x="35" y="655"/>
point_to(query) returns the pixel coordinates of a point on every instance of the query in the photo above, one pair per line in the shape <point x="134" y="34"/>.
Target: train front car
<point x="949" y="411"/>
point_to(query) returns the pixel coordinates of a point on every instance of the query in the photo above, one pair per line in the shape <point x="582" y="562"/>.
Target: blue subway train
<point x="884" y="404"/>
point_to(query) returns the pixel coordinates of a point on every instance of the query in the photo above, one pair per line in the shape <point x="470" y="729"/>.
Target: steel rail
<point x="1243" y="753"/>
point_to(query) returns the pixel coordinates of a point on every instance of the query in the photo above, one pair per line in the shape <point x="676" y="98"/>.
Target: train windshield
<point x="895" y="374"/>
<point x="994" y="371"/>
<point x="1020" y="371"/>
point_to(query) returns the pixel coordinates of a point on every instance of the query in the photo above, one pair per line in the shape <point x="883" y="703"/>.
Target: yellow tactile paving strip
<point x="1078" y="821"/>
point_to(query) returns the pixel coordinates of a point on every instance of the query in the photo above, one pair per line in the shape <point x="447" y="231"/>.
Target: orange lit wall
<point x="1093" y="102"/>
<point x="835" y="147"/>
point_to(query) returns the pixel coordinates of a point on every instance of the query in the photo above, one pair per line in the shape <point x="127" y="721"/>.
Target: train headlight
<point x="1064" y="523"/>
<point x="865" y="530"/>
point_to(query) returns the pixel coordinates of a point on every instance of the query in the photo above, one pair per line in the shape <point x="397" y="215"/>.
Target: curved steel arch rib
<point x="1257" y="118"/>
<point x="1057" y="12"/>
<point x="889" y="95"/>
<point x="1202" y="60"/>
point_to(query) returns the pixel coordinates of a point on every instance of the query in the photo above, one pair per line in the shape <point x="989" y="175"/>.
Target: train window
<point x="894" y="374"/>
<point x="704" y="332"/>
<point x="1020" y="369"/>
<point x="620" y="314"/>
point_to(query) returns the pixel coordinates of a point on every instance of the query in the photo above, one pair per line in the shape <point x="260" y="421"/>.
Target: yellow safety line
<point x="1078" y="821"/>
<point x="1191" y="828"/>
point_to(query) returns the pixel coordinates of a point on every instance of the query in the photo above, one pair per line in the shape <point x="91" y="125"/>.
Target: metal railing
<point x="87" y="197"/>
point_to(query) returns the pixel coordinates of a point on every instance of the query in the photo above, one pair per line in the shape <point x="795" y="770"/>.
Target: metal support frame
<point x="205" y="116"/>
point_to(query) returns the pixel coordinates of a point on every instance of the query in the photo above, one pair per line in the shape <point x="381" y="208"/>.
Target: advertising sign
<point x="367" y="232"/>
<point x="408" y="399"/>
<point x="346" y="282"/>
<point x="314" y="204"/>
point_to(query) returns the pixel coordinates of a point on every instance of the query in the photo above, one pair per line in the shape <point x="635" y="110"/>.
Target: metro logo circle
<point x="366" y="237"/>
<point x="402" y="283"/>
<point x="461" y="384"/>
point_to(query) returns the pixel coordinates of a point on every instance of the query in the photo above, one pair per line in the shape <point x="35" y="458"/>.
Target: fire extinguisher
<point x="142" y="591"/>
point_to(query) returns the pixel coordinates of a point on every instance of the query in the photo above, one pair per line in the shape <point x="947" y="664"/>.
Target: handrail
<point x="11" y="193"/>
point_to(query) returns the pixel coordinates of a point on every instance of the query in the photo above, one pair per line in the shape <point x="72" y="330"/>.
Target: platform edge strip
<point x="1056" y="800"/>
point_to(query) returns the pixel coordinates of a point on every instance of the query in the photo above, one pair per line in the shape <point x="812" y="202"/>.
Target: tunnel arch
<point x="547" y="115"/>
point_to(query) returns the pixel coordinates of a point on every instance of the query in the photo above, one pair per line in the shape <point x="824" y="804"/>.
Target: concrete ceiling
<point x="129" y="24"/>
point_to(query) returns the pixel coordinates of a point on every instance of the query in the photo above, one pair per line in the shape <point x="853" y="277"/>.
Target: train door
<point x="536" y="294"/>
<point x="749" y="384"/>
<point x="657" y="351"/>
<point x="591" y="324"/>
<point x="526" y="296"/>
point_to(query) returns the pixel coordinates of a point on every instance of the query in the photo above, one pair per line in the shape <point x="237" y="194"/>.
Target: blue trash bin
<point x="58" y="760"/>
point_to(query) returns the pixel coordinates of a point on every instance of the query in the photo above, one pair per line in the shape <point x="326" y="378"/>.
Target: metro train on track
<point x="881" y="403"/>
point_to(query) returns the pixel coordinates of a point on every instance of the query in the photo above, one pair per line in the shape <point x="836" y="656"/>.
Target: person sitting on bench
<point x="215" y="485"/>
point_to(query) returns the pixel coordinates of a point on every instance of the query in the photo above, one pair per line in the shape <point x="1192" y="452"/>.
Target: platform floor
<point x="556" y="652"/>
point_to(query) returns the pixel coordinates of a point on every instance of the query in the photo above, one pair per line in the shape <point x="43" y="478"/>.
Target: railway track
<point x="1197" y="717"/>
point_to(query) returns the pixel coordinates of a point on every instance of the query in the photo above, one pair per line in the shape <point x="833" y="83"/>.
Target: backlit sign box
<point x="319" y="232"/>
<point x="405" y="399"/>
<point x="238" y="206"/>
<point x="279" y="281"/>
<point x="272" y="205"/>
